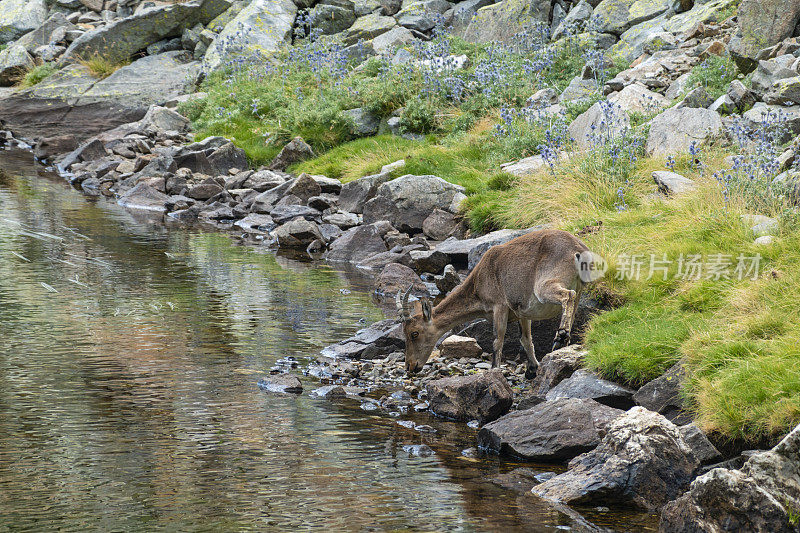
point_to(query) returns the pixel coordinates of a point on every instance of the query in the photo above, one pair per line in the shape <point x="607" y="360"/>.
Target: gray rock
<point x="555" y="367"/>
<point x="448" y="280"/>
<point x="576" y="18"/>
<point x="696" y="98"/>
<point x="260" y="181"/>
<point x="144" y="198"/>
<point x="463" y="12"/>
<point x="52" y="31"/>
<point x="281" y="383"/>
<point x="663" y="395"/>
<point x="616" y="16"/>
<point x="552" y="431"/>
<point x="762" y="496"/>
<point x="387" y="43"/>
<point x="441" y="224"/>
<point x="584" y="385"/>
<point x="723" y="105"/>
<point x="431" y="261"/>
<point x="285" y="213"/>
<point x="367" y="27"/>
<point x="342" y="219"/>
<point x="256" y="223"/>
<point x="578" y="90"/>
<point x="358" y="243"/>
<point x="740" y="95"/>
<point x="15" y="62"/>
<point x="295" y="150"/>
<point x="333" y="16"/>
<point x="672" y="183"/>
<point x="702" y="448"/>
<point x="304" y="187"/>
<point x="602" y="121"/>
<point x="642" y="461"/>
<point x="762" y="23"/>
<point x="420" y="450"/>
<point x="456" y="347"/>
<point x="119" y="40"/>
<point x="785" y="91"/>
<point x="227" y="157"/>
<point x="468" y="252"/>
<point x="363" y="122"/>
<point x="767" y="74"/>
<point x="395" y="278"/>
<point x="357" y="193"/>
<point x="765" y="113"/>
<point x="261" y="28"/>
<point x="330" y="392"/>
<point x="761" y="224"/>
<point x="204" y="190"/>
<point x="298" y="233"/>
<point x="378" y="339"/>
<point x="637" y="98"/>
<point x="503" y="20"/>
<point x="415" y="197"/>
<point x="674" y="130"/>
<point x="18" y="17"/>
<point x="328" y="185"/>
<point x="485" y="396"/>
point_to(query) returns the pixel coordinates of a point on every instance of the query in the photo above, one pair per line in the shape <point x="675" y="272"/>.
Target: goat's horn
<point x="402" y="303"/>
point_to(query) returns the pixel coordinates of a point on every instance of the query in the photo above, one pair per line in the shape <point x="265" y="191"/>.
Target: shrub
<point x="37" y="74"/>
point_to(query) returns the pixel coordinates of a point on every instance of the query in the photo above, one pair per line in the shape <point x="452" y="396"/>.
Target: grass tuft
<point x="100" y="67"/>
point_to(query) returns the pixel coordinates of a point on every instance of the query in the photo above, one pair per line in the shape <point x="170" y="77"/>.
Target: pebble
<point x="420" y="450"/>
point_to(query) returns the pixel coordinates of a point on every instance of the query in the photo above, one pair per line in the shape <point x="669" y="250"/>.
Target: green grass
<point x="714" y="74"/>
<point x="101" y="67"/>
<point x="37" y="74"/>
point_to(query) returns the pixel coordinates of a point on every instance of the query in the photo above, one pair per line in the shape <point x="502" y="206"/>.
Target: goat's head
<point x="421" y="334"/>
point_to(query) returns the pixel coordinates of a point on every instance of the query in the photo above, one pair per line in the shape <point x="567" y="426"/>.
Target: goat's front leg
<point x="500" y="317"/>
<point x="557" y="293"/>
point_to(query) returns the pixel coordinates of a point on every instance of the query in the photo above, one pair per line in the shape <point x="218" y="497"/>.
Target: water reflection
<point x="129" y="353"/>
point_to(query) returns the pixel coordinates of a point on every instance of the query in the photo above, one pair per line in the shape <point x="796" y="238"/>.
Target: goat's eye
<point x="414" y="334"/>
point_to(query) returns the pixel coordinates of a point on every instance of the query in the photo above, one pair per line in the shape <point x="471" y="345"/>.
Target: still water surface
<point x="129" y="356"/>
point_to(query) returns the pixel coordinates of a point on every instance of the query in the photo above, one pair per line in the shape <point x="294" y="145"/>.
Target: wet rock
<point x="121" y="39"/>
<point x="584" y="385"/>
<point x="330" y="392"/>
<point x="88" y="151"/>
<point x="762" y="496"/>
<point x="396" y="278"/>
<point x="50" y="147"/>
<point x="298" y="233"/>
<point x="551" y="431"/>
<point x="415" y="197"/>
<point x="520" y="480"/>
<point x="419" y="450"/>
<point x="672" y="183"/>
<point x="663" y="395"/>
<point x="674" y="130"/>
<point x="642" y="461"/>
<point x="358" y="243"/>
<point x="255" y="223"/>
<point x="357" y="193"/>
<point x="456" y="347"/>
<point x="378" y="339"/>
<point x="295" y="151"/>
<point x="144" y="198"/>
<point x="555" y="367"/>
<point x="281" y="383"/>
<point x="702" y="448"/>
<point x="485" y="396"/>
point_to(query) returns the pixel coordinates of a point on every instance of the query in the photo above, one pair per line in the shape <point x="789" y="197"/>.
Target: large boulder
<point x="762" y="23"/>
<point x="763" y="496"/>
<point x="663" y="395"/>
<point x="51" y="31"/>
<point x="395" y="278"/>
<point x="551" y="431"/>
<point x="484" y="397"/>
<point x="358" y="243"/>
<point x="642" y="461"/>
<point x="260" y="29"/>
<point x="144" y="198"/>
<point x="414" y="198"/>
<point x="368" y="27"/>
<point x="333" y="16"/>
<point x="355" y="194"/>
<point x="674" y="130"/>
<point x="503" y="20"/>
<point x="585" y="385"/>
<point x="616" y="16"/>
<point x="14" y="63"/>
<point x="73" y="102"/>
<point x="121" y="39"/>
<point x="18" y="17"/>
<point x="297" y="233"/>
<point x="600" y="123"/>
<point x="467" y="252"/>
<point x="637" y="98"/>
<point x="672" y="183"/>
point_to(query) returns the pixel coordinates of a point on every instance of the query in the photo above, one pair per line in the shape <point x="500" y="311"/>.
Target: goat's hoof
<point x="530" y="373"/>
<point x="561" y="340"/>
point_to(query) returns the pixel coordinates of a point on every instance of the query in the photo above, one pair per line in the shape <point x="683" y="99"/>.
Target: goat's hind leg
<point x="527" y="343"/>
<point x="500" y="318"/>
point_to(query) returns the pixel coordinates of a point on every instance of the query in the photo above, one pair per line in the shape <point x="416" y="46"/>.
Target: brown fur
<point x="532" y="277"/>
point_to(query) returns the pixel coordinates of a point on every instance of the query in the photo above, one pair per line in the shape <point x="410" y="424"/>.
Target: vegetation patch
<point x="37" y="74"/>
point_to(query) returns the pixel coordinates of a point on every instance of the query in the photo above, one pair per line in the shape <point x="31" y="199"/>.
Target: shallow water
<point x="129" y="356"/>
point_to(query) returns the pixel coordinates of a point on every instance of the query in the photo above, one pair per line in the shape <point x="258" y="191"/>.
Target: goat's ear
<point x="427" y="309"/>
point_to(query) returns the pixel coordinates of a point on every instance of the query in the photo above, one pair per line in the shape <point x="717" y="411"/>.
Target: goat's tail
<point x="590" y="266"/>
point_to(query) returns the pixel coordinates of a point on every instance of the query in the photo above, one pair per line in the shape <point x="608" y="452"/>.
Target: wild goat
<point x="532" y="277"/>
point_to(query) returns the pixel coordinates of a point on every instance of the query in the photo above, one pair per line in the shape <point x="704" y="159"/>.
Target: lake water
<point x="129" y="356"/>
